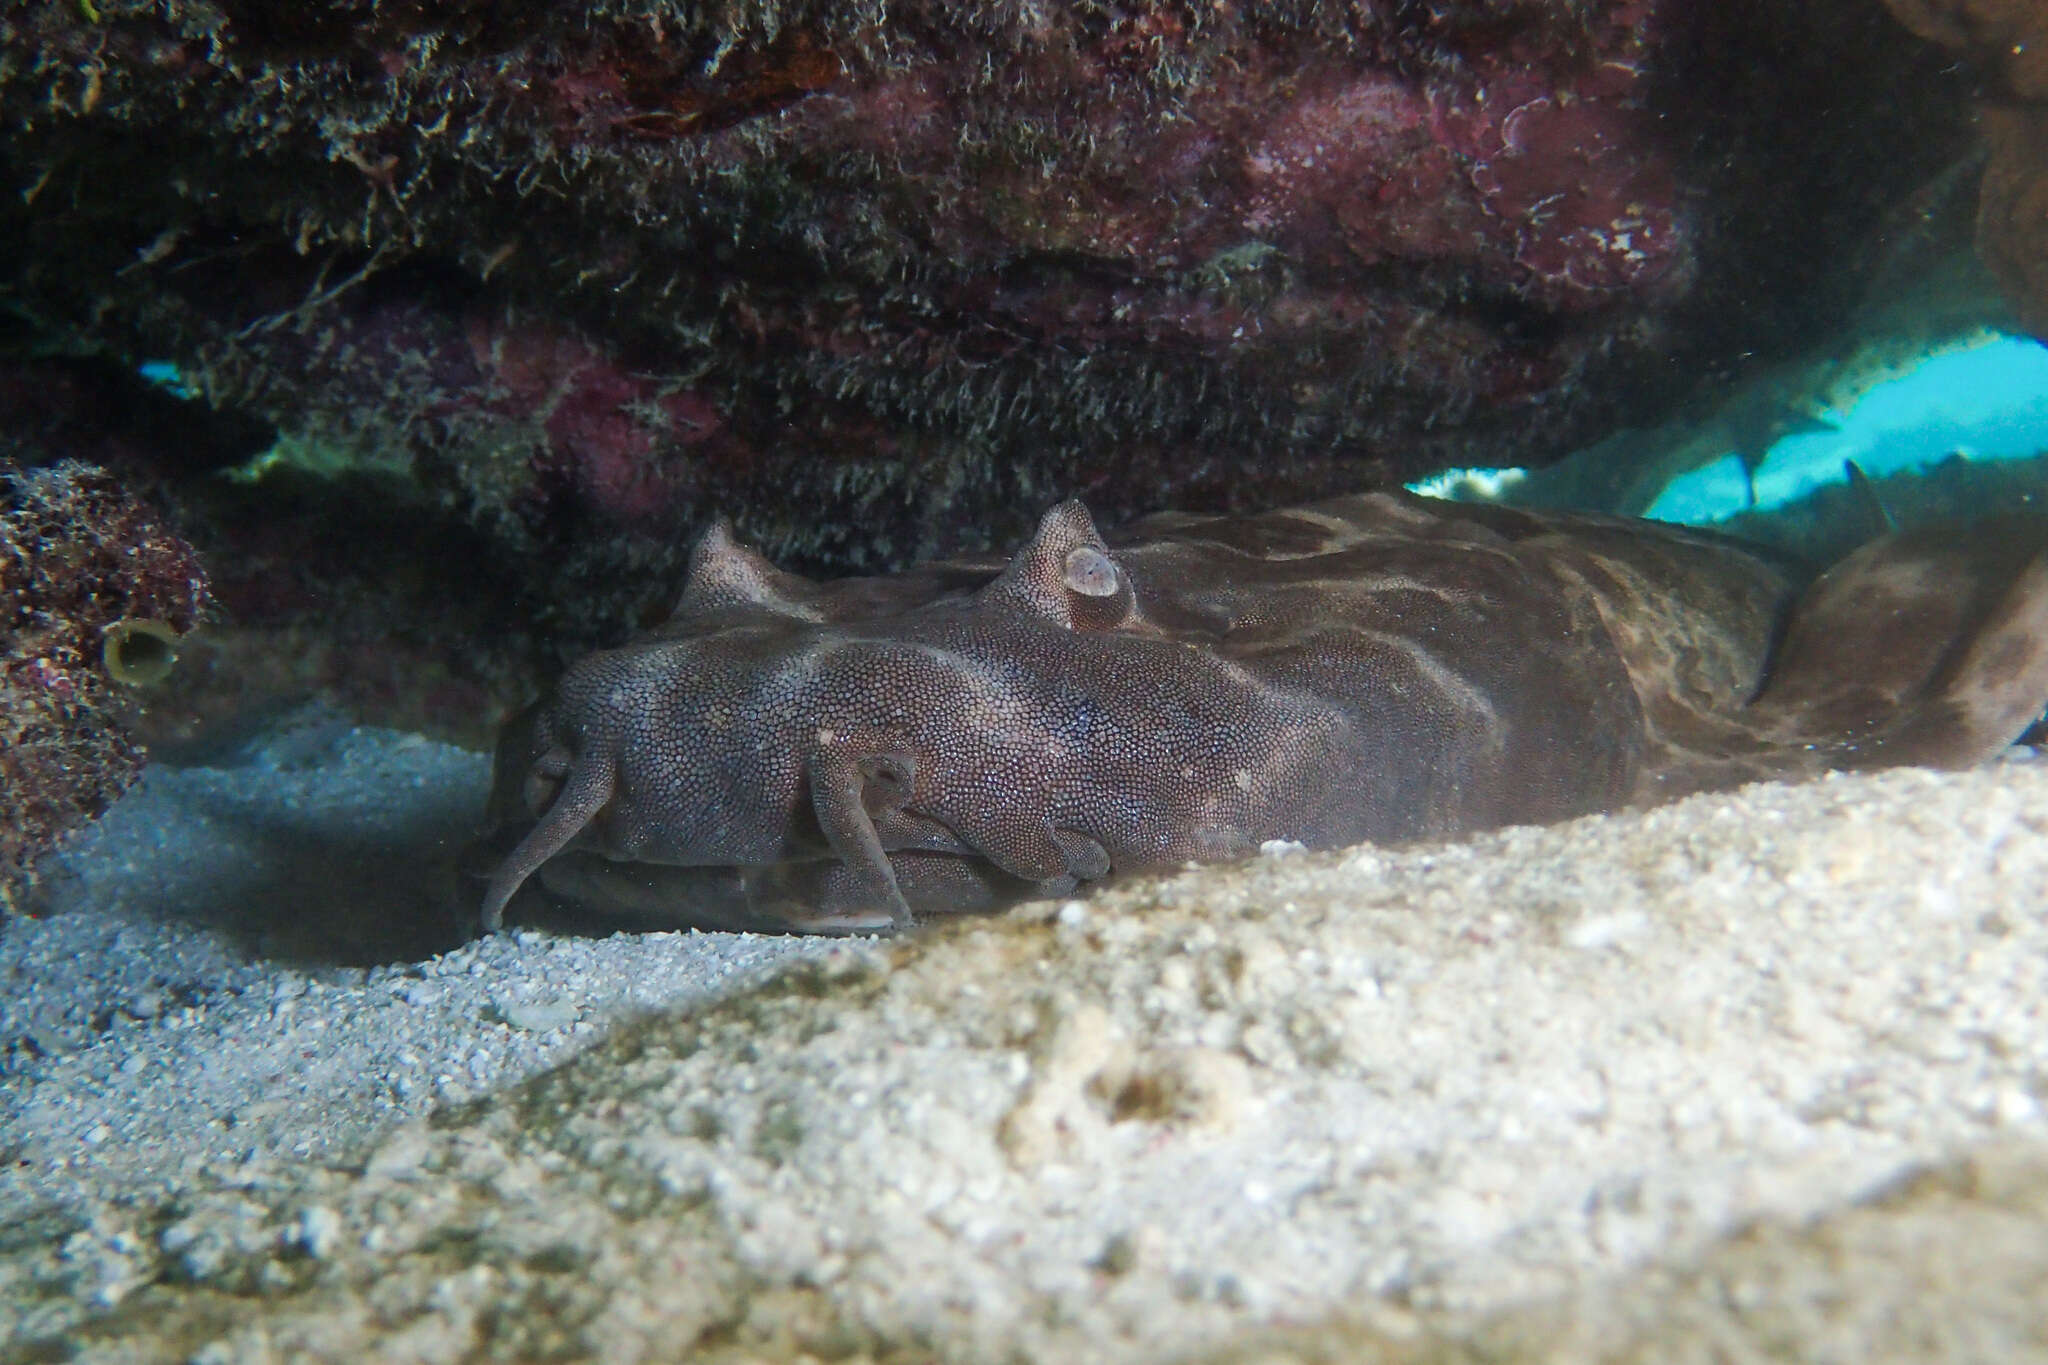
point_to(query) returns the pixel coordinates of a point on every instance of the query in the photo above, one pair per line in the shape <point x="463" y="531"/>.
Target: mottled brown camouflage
<point x="848" y="755"/>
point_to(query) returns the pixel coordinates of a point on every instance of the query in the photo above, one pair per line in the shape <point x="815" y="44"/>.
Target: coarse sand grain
<point x="1729" y="1076"/>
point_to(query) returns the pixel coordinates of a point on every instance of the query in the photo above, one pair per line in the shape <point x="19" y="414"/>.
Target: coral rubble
<point x="94" y="594"/>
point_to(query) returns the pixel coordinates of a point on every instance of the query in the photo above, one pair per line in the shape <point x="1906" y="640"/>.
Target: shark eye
<point x="1090" y="572"/>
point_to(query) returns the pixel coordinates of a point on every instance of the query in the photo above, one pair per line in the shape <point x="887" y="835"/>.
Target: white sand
<point x="1421" y="1086"/>
<point x="179" y="1006"/>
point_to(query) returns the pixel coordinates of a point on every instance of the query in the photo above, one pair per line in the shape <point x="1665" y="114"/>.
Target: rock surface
<point x="882" y="280"/>
<point x="2007" y="42"/>
<point x="1449" y="1092"/>
<point x="96" y="595"/>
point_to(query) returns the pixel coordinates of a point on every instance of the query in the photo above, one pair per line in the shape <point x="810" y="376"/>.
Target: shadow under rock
<point x="316" y="843"/>
<point x="311" y="895"/>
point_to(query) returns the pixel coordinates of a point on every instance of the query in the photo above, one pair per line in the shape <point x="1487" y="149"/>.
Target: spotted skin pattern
<point x="849" y="756"/>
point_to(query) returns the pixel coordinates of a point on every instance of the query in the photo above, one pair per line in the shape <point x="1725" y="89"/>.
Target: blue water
<point x="1989" y="402"/>
<point x="165" y="375"/>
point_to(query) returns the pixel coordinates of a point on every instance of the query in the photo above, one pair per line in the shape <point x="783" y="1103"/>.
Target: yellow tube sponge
<point x="139" y="651"/>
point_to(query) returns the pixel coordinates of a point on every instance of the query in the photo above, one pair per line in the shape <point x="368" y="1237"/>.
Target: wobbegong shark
<point x="856" y="755"/>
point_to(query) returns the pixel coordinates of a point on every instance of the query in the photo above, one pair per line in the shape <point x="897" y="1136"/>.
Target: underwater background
<point x="362" y="363"/>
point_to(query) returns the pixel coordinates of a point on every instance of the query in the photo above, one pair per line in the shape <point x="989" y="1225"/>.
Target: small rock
<point x="1595" y="932"/>
<point x="318" y="1231"/>
<point x="1126" y="1251"/>
<point x="47" y="1041"/>
<point x="539" y="1016"/>
<point x="401" y="1155"/>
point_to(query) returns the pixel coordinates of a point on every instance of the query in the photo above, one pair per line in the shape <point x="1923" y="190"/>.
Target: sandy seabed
<point x="1756" y="1075"/>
